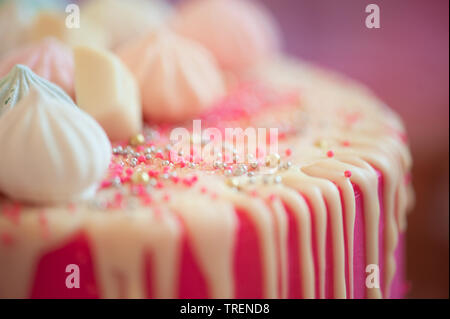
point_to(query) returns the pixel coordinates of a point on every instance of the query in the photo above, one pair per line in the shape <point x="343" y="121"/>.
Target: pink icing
<point x="192" y="283"/>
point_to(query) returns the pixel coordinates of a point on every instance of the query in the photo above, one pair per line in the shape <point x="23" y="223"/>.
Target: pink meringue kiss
<point x="48" y="58"/>
<point x="239" y="33"/>
<point x="178" y="78"/>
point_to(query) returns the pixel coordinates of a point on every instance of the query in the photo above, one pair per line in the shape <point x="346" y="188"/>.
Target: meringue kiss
<point x="178" y="78"/>
<point x="49" y="58"/>
<point x="17" y="84"/>
<point x="240" y="33"/>
<point x="52" y="152"/>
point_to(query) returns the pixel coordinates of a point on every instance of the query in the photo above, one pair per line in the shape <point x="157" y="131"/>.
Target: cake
<point x="289" y="181"/>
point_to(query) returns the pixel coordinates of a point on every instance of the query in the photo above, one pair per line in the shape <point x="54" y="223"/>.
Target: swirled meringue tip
<point x="178" y="77"/>
<point x="49" y="58"/>
<point x="141" y="17"/>
<point x="240" y="33"/>
<point x="52" y="153"/>
<point x="17" y="84"/>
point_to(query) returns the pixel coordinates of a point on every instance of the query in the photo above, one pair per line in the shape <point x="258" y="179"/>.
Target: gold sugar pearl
<point x="322" y="144"/>
<point x="137" y="140"/>
<point x="140" y="177"/>
<point x="233" y="182"/>
<point x="272" y="160"/>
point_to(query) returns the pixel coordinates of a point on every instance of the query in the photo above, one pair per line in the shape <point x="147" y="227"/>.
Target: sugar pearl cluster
<point x="145" y="165"/>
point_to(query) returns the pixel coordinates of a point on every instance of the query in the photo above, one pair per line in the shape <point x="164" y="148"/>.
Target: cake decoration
<point x="52" y="152"/>
<point x="142" y="16"/>
<point x="107" y="90"/>
<point x="17" y="84"/>
<point x="49" y="59"/>
<point x="178" y="78"/>
<point x="239" y="33"/>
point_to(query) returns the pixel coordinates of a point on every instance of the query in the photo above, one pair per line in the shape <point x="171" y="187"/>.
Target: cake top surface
<point x="150" y="169"/>
<point x="231" y="124"/>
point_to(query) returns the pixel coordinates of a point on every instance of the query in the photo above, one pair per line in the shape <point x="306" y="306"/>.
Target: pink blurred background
<point x="406" y="63"/>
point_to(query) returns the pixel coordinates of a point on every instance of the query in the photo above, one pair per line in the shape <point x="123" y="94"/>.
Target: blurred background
<point x="406" y="63"/>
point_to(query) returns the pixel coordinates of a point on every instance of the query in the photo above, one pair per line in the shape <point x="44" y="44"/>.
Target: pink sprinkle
<point x="141" y="159"/>
<point x="288" y="152"/>
<point x="12" y="212"/>
<point x="182" y="164"/>
<point x="159" y="185"/>
<point x="125" y="179"/>
<point x="146" y="200"/>
<point x="166" y="169"/>
<point x="348" y="174"/>
<point x="203" y="190"/>
<point x="105" y="184"/>
<point x="330" y="153"/>
<point x="159" y="155"/>
<point x="153" y="173"/>
<point x="117" y="171"/>
<point x="7" y="239"/>
<point x="129" y="171"/>
<point x="272" y="197"/>
<point x="346" y="143"/>
<point x="140" y="189"/>
<point x="187" y="182"/>
<point x="166" y="197"/>
<point x="175" y="179"/>
<point x="214" y="196"/>
<point x="118" y="199"/>
<point x="140" y="148"/>
<point x="254" y="193"/>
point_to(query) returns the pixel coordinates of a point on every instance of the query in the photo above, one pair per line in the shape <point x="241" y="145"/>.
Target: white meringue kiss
<point x="51" y="152"/>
